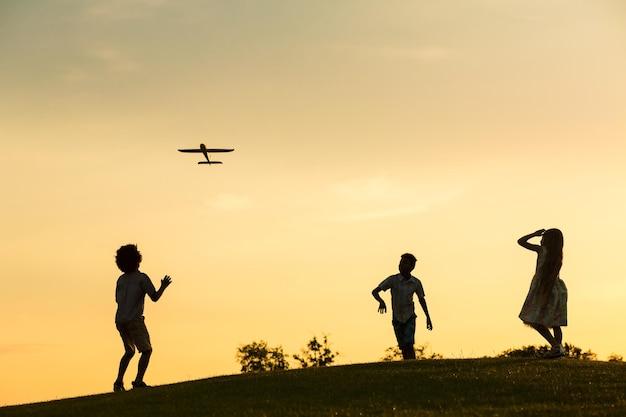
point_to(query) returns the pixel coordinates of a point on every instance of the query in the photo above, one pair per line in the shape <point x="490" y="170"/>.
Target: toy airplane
<point x="206" y="151"/>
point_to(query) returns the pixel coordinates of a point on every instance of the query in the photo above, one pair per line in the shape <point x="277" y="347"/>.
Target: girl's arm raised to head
<point x="523" y="241"/>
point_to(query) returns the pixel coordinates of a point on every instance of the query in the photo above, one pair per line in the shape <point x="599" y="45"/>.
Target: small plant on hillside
<point x="532" y="351"/>
<point x="259" y="357"/>
<point x="316" y="354"/>
<point x="575" y="352"/>
<point x="614" y="357"/>
<point x="394" y="353"/>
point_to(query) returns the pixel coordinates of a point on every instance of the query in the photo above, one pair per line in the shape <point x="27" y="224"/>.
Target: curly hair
<point x="128" y="258"/>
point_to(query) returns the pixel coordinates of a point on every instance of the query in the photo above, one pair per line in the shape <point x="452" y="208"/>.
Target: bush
<point x="532" y="351"/>
<point x="316" y="354"/>
<point x="259" y="357"/>
<point x="394" y="353"/>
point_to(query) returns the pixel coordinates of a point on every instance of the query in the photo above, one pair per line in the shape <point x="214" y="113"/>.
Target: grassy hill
<point x="450" y="387"/>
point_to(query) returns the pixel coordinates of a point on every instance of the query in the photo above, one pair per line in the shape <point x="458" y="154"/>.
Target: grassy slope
<point x="463" y="387"/>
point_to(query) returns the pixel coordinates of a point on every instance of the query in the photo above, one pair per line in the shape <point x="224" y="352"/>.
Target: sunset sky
<point x="362" y="130"/>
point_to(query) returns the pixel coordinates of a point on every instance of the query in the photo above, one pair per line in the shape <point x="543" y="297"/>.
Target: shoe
<point x="140" y="384"/>
<point x="118" y="387"/>
<point x="555" y="352"/>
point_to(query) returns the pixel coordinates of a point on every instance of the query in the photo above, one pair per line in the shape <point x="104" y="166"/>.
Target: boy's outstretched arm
<point x="429" y="323"/>
<point x="382" y="307"/>
<point x="165" y="282"/>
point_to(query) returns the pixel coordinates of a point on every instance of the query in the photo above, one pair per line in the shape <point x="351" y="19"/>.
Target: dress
<point x="552" y="313"/>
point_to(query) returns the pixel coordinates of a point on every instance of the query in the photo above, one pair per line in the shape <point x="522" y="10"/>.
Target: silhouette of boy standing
<point x="403" y="286"/>
<point x="132" y="287"/>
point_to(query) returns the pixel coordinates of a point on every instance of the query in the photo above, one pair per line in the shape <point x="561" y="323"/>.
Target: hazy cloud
<point x="113" y="59"/>
<point x="78" y="75"/>
<point x="229" y="202"/>
<point x="122" y="9"/>
<point x="100" y="61"/>
<point x="380" y="197"/>
<point x="520" y="11"/>
<point x="425" y="53"/>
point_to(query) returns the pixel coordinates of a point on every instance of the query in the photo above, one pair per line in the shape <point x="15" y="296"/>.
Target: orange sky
<point x="360" y="131"/>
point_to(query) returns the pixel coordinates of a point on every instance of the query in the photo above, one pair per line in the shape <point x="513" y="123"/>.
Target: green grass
<point x="449" y="387"/>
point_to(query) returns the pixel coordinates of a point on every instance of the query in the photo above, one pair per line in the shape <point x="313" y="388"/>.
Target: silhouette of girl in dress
<point x="545" y="307"/>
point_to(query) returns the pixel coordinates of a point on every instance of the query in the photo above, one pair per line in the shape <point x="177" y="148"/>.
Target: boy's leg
<point x="408" y="352"/>
<point x="129" y="352"/>
<point x="409" y="338"/>
<point x="144" y="360"/>
<point x="404" y="352"/>
<point x="405" y="335"/>
<point x="142" y="341"/>
<point x="123" y="366"/>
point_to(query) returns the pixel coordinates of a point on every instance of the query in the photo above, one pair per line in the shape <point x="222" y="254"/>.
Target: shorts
<point x="135" y="335"/>
<point x="405" y="332"/>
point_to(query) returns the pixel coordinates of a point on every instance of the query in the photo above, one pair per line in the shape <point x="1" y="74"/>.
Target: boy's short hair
<point x="410" y="257"/>
<point x="128" y="258"/>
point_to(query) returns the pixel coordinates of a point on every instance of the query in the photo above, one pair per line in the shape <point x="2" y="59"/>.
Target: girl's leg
<point x="545" y="332"/>
<point x="555" y="341"/>
<point x="558" y="334"/>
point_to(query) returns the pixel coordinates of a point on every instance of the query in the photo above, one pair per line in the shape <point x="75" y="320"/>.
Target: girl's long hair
<point x="553" y="243"/>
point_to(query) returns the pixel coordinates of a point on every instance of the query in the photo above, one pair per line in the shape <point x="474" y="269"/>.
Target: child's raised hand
<point x="540" y="232"/>
<point x="166" y="281"/>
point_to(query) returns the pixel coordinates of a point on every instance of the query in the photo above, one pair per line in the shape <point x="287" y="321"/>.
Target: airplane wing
<point x="205" y="150"/>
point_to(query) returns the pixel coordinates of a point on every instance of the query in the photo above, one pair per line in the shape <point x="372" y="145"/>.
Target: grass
<point x="448" y="387"/>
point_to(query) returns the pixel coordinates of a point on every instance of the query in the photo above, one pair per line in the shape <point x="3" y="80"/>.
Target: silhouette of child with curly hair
<point x="132" y="287"/>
